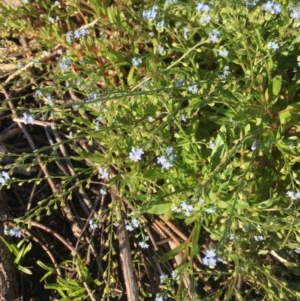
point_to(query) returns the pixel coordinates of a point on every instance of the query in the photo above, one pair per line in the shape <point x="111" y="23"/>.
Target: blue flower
<point x="64" y="64"/>
<point x="135" y="154"/>
<point x="151" y="13"/>
<point x="12" y="231"/>
<point x="201" y="7"/>
<point x="273" y="45"/>
<point x="272" y="8"/>
<point x="214" y="35"/>
<point x="204" y="20"/>
<point x="223" y="52"/>
<point x="103" y="172"/>
<point x="69" y="37"/>
<point x="136" y="61"/>
<point x="193" y="89"/>
<point x="160" y="49"/>
<point x="93" y="224"/>
<point x="27" y="118"/>
<point x="210" y="258"/>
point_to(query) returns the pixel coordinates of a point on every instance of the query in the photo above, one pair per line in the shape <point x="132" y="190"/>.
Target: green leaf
<point x="171" y="254"/>
<point x="276" y="84"/>
<point x="24" y="270"/>
<point x="156" y="207"/>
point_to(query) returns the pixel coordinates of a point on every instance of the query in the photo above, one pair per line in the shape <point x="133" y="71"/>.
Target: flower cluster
<point x="167" y="160"/>
<point x="27" y="118"/>
<point x="135" y="154"/>
<point x="103" y="172"/>
<point x="225" y="72"/>
<point x="12" y="231"/>
<point x="133" y="224"/>
<point x="80" y="32"/>
<point x="295" y="196"/>
<point x="151" y="13"/>
<point x="4" y="178"/>
<point x="210" y="258"/>
<point x="273" y="45"/>
<point x="272" y="8"/>
<point x="187" y="209"/>
<point x="136" y="61"/>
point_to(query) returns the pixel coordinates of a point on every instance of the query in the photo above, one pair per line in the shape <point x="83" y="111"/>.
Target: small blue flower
<point x="272" y="7"/>
<point x="160" y="24"/>
<point x="193" y="89"/>
<point x="64" y="64"/>
<point x="136" y="61"/>
<point x="135" y="154"/>
<point x="185" y="32"/>
<point x="201" y="7"/>
<point x="223" y="52"/>
<point x="103" y="172"/>
<point x="273" y="45"/>
<point x="150" y="14"/>
<point x="205" y="19"/>
<point x="38" y="93"/>
<point x="214" y="35"/>
<point x="210" y="258"/>
<point x="12" y="231"/>
<point x="69" y="37"/>
<point x="93" y="224"/>
<point x="160" y="49"/>
<point x="27" y="118"/>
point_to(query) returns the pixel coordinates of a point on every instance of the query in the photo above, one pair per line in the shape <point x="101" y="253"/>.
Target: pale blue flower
<point x="150" y="14"/>
<point x="214" y="35"/>
<point x="49" y="100"/>
<point x="135" y="154"/>
<point x="258" y="237"/>
<point x="103" y="191"/>
<point x="160" y="24"/>
<point x="210" y="210"/>
<point x="201" y="7"/>
<point x="69" y="37"/>
<point x="272" y="7"/>
<point x="212" y="144"/>
<point x="223" y="52"/>
<point x="185" y="32"/>
<point x="210" y="258"/>
<point x="205" y="19"/>
<point x="64" y="64"/>
<point x="136" y="61"/>
<point x="12" y="231"/>
<point x="103" y="172"/>
<point x="143" y="243"/>
<point x="93" y="224"/>
<point x="273" y="45"/>
<point x="169" y="150"/>
<point x="38" y="93"/>
<point x="80" y="32"/>
<point x="295" y="14"/>
<point x="159" y="298"/>
<point x="160" y="49"/>
<point x="193" y="89"/>
<point x="254" y="146"/>
<point x="27" y="118"/>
